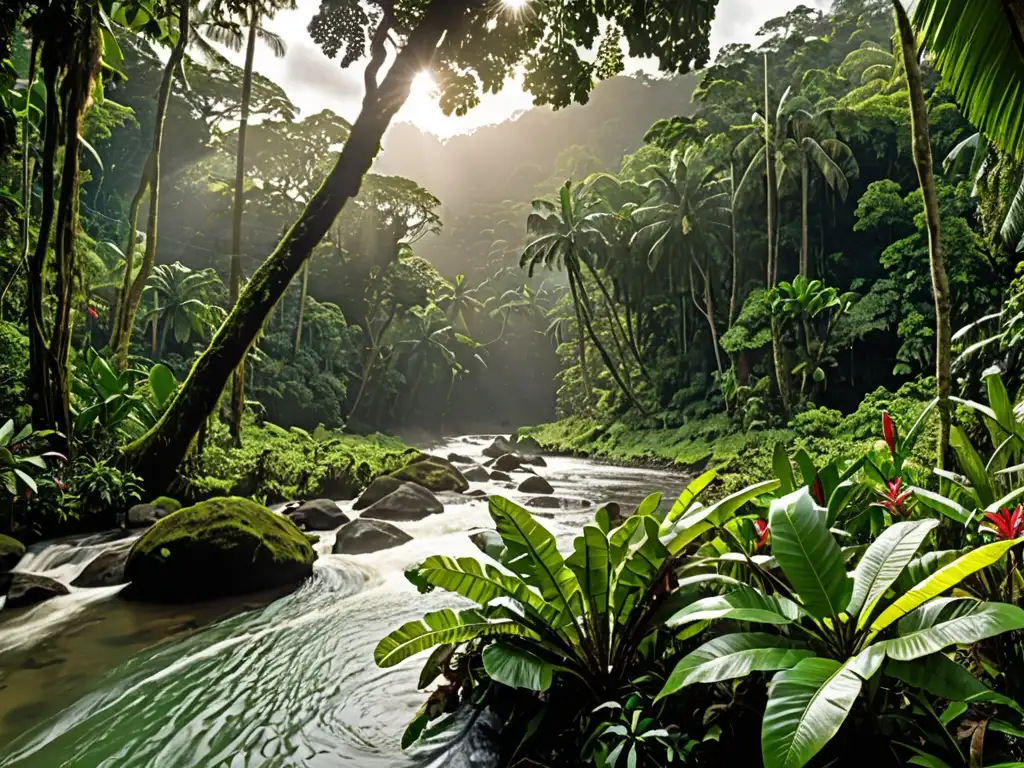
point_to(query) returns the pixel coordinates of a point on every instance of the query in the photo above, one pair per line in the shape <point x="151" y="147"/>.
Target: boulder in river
<point x="507" y="462"/>
<point x="362" y="536"/>
<point x="458" y="458"/>
<point x="318" y="515"/>
<point x="166" y="503"/>
<point x="144" y="515"/>
<point x="476" y="493"/>
<point x="526" y="445"/>
<point x="501" y="477"/>
<point x="535" y="484"/>
<point x="499" y="446"/>
<point x="376" y="491"/>
<point x="408" y="502"/>
<point x="476" y="475"/>
<point x="534" y="461"/>
<point x="11" y="551"/>
<point x="433" y="473"/>
<point x="31" y="588"/>
<point x="107" y="568"/>
<point x="223" y="546"/>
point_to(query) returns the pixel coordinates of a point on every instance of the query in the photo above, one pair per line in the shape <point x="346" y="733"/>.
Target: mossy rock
<point x="223" y="546"/>
<point x="166" y="503"/>
<point x="11" y="551"/>
<point x="377" y="490"/>
<point x="433" y="473"/>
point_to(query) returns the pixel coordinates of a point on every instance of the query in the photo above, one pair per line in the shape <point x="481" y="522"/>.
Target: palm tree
<point x="564" y="236"/>
<point x="459" y="300"/>
<point x="684" y="222"/>
<point x="133" y="284"/>
<point x="227" y="21"/>
<point x="926" y="177"/>
<point x="183" y="304"/>
<point x="811" y="144"/>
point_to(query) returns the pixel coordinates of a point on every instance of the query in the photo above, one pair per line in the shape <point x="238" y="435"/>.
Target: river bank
<point x="741" y="454"/>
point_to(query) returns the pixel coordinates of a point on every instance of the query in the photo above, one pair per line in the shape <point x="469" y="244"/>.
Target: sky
<point x="314" y="82"/>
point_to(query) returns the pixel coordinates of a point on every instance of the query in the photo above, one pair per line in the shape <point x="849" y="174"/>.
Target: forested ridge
<point x="784" y="277"/>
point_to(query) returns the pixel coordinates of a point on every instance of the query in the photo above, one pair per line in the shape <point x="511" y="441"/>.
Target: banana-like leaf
<point x="733" y="656"/>
<point x="591" y="563"/>
<point x="649" y="506"/>
<point x="783" y="469"/>
<point x="808" y="704"/>
<point x="941" y="580"/>
<point x="808" y="554"/>
<point x="745" y="604"/>
<point x="941" y="504"/>
<point x="682" y="505"/>
<point x="689" y="527"/>
<point x="516" y="667"/>
<point x="533" y="552"/>
<point x="972" y="465"/>
<point x="939" y="676"/>
<point x="932" y="628"/>
<point x="924" y="566"/>
<point x="441" y="627"/>
<point x="882" y="564"/>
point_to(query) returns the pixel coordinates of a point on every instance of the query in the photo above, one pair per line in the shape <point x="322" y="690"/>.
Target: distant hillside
<point x="489" y="176"/>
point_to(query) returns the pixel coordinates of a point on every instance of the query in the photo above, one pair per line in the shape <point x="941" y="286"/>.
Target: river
<point x="89" y="679"/>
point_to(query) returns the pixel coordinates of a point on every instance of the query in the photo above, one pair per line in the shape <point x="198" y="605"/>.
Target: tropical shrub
<point x="829" y="632"/>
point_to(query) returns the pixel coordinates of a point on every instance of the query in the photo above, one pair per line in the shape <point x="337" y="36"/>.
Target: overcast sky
<point x="314" y="82"/>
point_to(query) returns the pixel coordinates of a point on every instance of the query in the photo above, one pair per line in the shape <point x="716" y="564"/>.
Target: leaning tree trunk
<point x="156" y="455"/>
<point x="131" y="290"/>
<point x="734" y="288"/>
<point x="302" y="309"/>
<point x="804" y="257"/>
<point x="926" y="177"/>
<point x="581" y="345"/>
<point x="235" y="289"/>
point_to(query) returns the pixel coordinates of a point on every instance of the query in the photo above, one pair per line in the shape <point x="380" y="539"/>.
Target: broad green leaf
<point x="27" y="479"/>
<point x="941" y="504"/>
<point x="162" y="384"/>
<point x="783" y="469"/>
<point x="682" y="504"/>
<point x="943" y="579"/>
<point x="808" y="704"/>
<point x="517" y="668"/>
<point x="924" y="566"/>
<point x="882" y="564"/>
<point x="808" y="554"/>
<point x="999" y="400"/>
<point x="939" y="676"/>
<point x="693" y="525"/>
<point x="6" y="431"/>
<point x="649" y="506"/>
<point x="972" y="465"/>
<point x="1006" y="501"/>
<point x="976" y="621"/>
<point x="806" y="465"/>
<point x="591" y="563"/>
<point x="733" y="656"/>
<point x="745" y="604"/>
<point x="533" y="552"/>
<point x="440" y="627"/>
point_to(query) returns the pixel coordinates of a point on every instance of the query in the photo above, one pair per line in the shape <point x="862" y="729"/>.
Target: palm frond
<point x="978" y="48"/>
<point x="273" y="41"/>
<point x="1013" y="226"/>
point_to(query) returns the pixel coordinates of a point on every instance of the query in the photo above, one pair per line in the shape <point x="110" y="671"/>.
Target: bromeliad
<point x="889" y="432"/>
<point x="1008" y="525"/>
<point x="893" y="500"/>
<point x="762" y="534"/>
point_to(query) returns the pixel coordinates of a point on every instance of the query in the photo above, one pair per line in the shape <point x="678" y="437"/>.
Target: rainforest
<point x="509" y="383"/>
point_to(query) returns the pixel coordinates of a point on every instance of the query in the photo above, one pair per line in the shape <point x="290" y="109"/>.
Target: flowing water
<point x="89" y="679"/>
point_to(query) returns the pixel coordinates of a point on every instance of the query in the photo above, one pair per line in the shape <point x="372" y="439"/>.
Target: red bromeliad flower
<point x="60" y="484"/>
<point x="92" y="313"/>
<point x="818" y="491"/>
<point x="889" y="432"/>
<point x="892" y="500"/>
<point x="1008" y="525"/>
<point x="761" y="531"/>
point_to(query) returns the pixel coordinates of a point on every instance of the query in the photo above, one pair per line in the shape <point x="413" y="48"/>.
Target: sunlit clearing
<point x="423" y="84"/>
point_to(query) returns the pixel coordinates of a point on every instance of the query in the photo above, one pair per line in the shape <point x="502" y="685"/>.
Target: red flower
<point x="92" y="313"/>
<point x="1008" y="525"/>
<point x="889" y="432"/>
<point x="818" y="491"/>
<point x="61" y="485"/>
<point x="761" y="531"/>
<point x="892" y="500"/>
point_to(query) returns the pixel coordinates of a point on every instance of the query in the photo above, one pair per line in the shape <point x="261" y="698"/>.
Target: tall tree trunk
<point x="926" y="177"/>
<point x="734" y="288"/>
<point x="235" y="290"/>
<point x="804" y="256"/>
<point x="709" y="314"/>
<point x="302" y="308"/>
<point x="131" y="291"/>
<point x="617" y="321"/>
<point x="581" y="344"/>
<point x="156" y="322"/>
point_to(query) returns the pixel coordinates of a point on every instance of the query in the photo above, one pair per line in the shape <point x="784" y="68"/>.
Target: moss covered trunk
<point x="157" y="454"/>
<point x="926" y="177"/>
